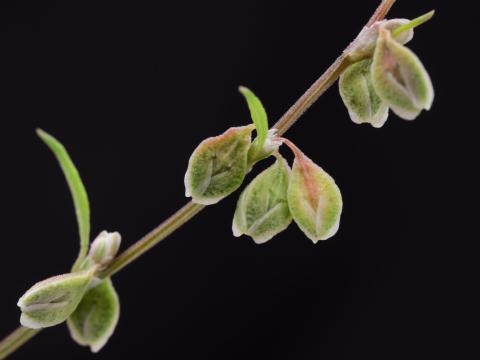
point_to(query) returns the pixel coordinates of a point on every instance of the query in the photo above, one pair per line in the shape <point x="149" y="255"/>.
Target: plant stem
<point x="327" y="79"/>
<point x="17" y="338"/>
<point x="175" y="221"/>
<point x="21" y="335"/>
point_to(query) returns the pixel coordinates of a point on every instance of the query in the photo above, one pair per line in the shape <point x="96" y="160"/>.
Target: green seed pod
<point x="95" y="318"/>
<point x="262" y="210"/>
<point x="314" y="199"/>
<point x="218" y="166"/>
<point x="52" y="301"/>
<point x="105" y="247"/>
<point x="359" y="96"/>
<point x="400" y="79"/>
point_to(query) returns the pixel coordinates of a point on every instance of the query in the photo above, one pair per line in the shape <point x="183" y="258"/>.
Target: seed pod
<point x="314" y="199"/>
<point x="105" y="247"/>
<point x="262" y="210"/>
<point x="359" y="96"/>
<point x="400" y="79"/>
<point x="52" y="301"/>
<point x="218" y="166"/>
<point x="95" y="318"/>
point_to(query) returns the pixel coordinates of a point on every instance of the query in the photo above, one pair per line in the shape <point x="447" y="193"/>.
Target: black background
<point x="131" y="87"/>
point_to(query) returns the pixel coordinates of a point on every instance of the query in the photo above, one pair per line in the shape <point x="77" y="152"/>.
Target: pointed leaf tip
<point x="258" y="115"/>
<point x="413" y="23"/>
<point x="77" y="190"/>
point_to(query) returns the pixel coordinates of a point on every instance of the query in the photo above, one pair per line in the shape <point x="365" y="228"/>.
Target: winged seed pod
<point x="399" y="78"/>
<point x="105" y="247"/>
<point x="262" y="210"/>
<point x="218" y="166"/>
<point x="52" y="301"/>
<point x="359" y="96"/>
<point x="314" y="199"/>
<point x="95" y="318"/>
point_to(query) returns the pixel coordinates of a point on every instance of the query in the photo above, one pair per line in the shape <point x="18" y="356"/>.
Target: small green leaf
<point x="218" y="166"/>
<point x="77" y="189"/>
<point x="52" y="301"/>
<point x="314" y="199"/>
<point x="359" y="96"/>
<point x="413" y="23"/>
<point x="95" y="319"/>
<point x="259" y="118"/>
<point x="400" y="79"/>
<point x="262" y="209"/>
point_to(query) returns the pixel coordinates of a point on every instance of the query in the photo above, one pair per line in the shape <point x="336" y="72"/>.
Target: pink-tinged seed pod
<point x="218" y="165"/>
<point x="400" y="79"/>
<point x="314" y="198"/>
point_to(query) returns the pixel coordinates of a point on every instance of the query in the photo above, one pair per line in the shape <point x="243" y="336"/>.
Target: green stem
<point x="21" y="335"/>
<point x="175" y="221"/>
<point x="16" y="339"/>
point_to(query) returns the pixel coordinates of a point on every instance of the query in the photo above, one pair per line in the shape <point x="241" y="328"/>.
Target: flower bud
<point x="52" y="301"/>
<point x="272" y="144"/>
<point x="262" y="209"/>
<point x="218" y="166"/>
<point x="400" y="79"/>
<point x="359" y="96"/>
<point x="314" y="199"/>
<point x="105" y="247"/>
<point x="95" y="318"/>
<point x="364" y="45"/>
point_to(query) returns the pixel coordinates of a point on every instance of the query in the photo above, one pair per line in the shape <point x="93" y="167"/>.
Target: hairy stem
<point x="175" y="221"/>
<point x="17" y="338"/>
<point x="21" y="335"/>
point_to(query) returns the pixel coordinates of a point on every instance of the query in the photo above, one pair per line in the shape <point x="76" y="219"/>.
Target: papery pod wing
<point x="400" y="79"/>
<point x="314" y="199"/>
<point x="218" y="166"/>
<point x="360" y="97"/>
<point x="95" y="318"/>
<point x="262" y="209"/>
<point x="52" y="301"/>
